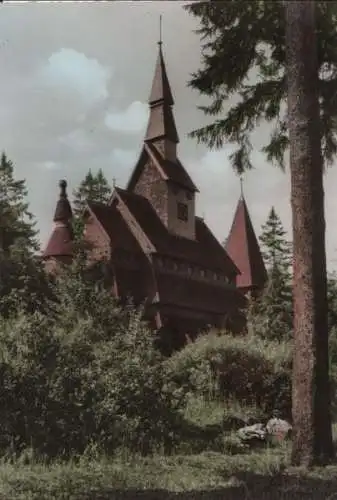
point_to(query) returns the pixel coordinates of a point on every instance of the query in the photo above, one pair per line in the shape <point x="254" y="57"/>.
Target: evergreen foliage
<point x="95" y="188"/>
<point x="273" y="309"/>
<point x="276" y="250"/>
<point x="276" y="61"/>
<point x="23" y="283"/>
<point x="17" y="225"/>
<point x="243" y="67"/>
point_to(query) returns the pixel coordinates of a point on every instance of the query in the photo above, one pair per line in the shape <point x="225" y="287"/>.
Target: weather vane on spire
<point x="160" y="30"/>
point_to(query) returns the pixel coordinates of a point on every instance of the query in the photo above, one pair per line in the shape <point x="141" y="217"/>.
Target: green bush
<point x="86" y="375"/>
<point x="247" y="369"/>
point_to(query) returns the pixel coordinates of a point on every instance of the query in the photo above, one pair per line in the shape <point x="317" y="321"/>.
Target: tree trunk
<point x="312" y="435"/>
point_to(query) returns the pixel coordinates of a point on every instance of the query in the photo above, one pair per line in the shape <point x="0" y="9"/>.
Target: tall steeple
<point x="60" y="244"/>
<point x="243" y="248"/>
<point x="161" y="127"/>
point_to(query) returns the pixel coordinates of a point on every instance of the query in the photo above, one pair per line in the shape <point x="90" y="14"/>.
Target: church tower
<point x="159" y="175"/>
<point x="161" y="129"/>
<point x="59" y="248"/>
<point x="243" y="248"/>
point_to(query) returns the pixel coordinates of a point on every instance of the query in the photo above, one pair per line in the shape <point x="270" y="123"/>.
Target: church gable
<point x="153" y="187"/>
<point x="95" y="236"/>
<point x="181" y="211"/>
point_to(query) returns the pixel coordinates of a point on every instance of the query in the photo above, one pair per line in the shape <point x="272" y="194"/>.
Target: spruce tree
<point x="17" y="225"/>
<point x="274" y="307"/>
<point x="275" y="248"/>
<point x="95" y="188"/>
<point x="291" y="46"/>
<point x="24" y="286"/>
<point x="239" y="36"/>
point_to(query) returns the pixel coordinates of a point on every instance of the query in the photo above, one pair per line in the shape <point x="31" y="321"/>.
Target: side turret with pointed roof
<point x="243" y="248"/>
<point x="60" y="244"/>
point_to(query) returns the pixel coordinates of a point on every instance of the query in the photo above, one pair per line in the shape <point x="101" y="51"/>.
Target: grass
<point x="204" y="476"/>
<point x="216" y="470"/>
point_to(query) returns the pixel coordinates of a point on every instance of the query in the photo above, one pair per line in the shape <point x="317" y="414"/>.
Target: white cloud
<point x="68" y="69"/>
<point x="132" y="120"/>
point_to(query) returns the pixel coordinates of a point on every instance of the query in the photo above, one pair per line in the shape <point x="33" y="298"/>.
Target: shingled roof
<point x="161" y="122"/>
<point x="161" y="126"/>
<point x="60" y="243"/>
<point x="243" y="248"/>
<point x="161" y="90"/>
<point x="114" y="226"/>
<point x="205" y="251"/>
<point x="170" y="171"/>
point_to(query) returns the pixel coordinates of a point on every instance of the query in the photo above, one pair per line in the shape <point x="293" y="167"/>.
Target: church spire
<point x="243" y="248"/>
<point x="60" y="244"/>
<point x="161" y="125"/>
<point x="63" y="212"/>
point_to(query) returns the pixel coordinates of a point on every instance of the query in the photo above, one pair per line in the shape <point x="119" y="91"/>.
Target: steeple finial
<point x="63" y="212"/>
<point x="160" y="31"/>
<point x="241" y="185"/>
<point x="63" y="188"/>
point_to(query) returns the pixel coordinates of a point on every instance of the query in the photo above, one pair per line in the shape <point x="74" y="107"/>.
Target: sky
<point x="75" y="81"/>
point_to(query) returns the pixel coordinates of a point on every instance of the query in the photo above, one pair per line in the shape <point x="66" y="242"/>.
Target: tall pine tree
<point x="239" y="36"/>
<point x="17" y="225"/>
<point x="292" y="48"/>
<point x="95" y="188"/>
<point x="275" y="248"/>
<point x="23" y="283"/>
<point x="273" y="309"/>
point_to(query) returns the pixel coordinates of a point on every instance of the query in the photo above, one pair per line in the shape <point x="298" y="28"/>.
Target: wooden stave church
<point x="158" y="251"/>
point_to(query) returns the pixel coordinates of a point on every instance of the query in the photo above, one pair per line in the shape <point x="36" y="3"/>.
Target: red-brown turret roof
<point x="60" y="243"/>
<point x="161" y="122"/>
<point x="243" y="248"/>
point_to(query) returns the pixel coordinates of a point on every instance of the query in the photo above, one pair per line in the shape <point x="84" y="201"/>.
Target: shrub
<point x="88" y="374"/>
<point x="247" y="369"/>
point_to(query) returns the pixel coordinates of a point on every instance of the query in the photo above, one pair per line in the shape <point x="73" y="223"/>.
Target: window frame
<point x="182" y="211"/>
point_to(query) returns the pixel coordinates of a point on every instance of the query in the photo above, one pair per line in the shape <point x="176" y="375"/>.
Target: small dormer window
<point x="182" y="211"/>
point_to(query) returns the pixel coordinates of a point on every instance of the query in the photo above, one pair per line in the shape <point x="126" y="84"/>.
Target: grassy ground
<point x="207" y="467"/>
